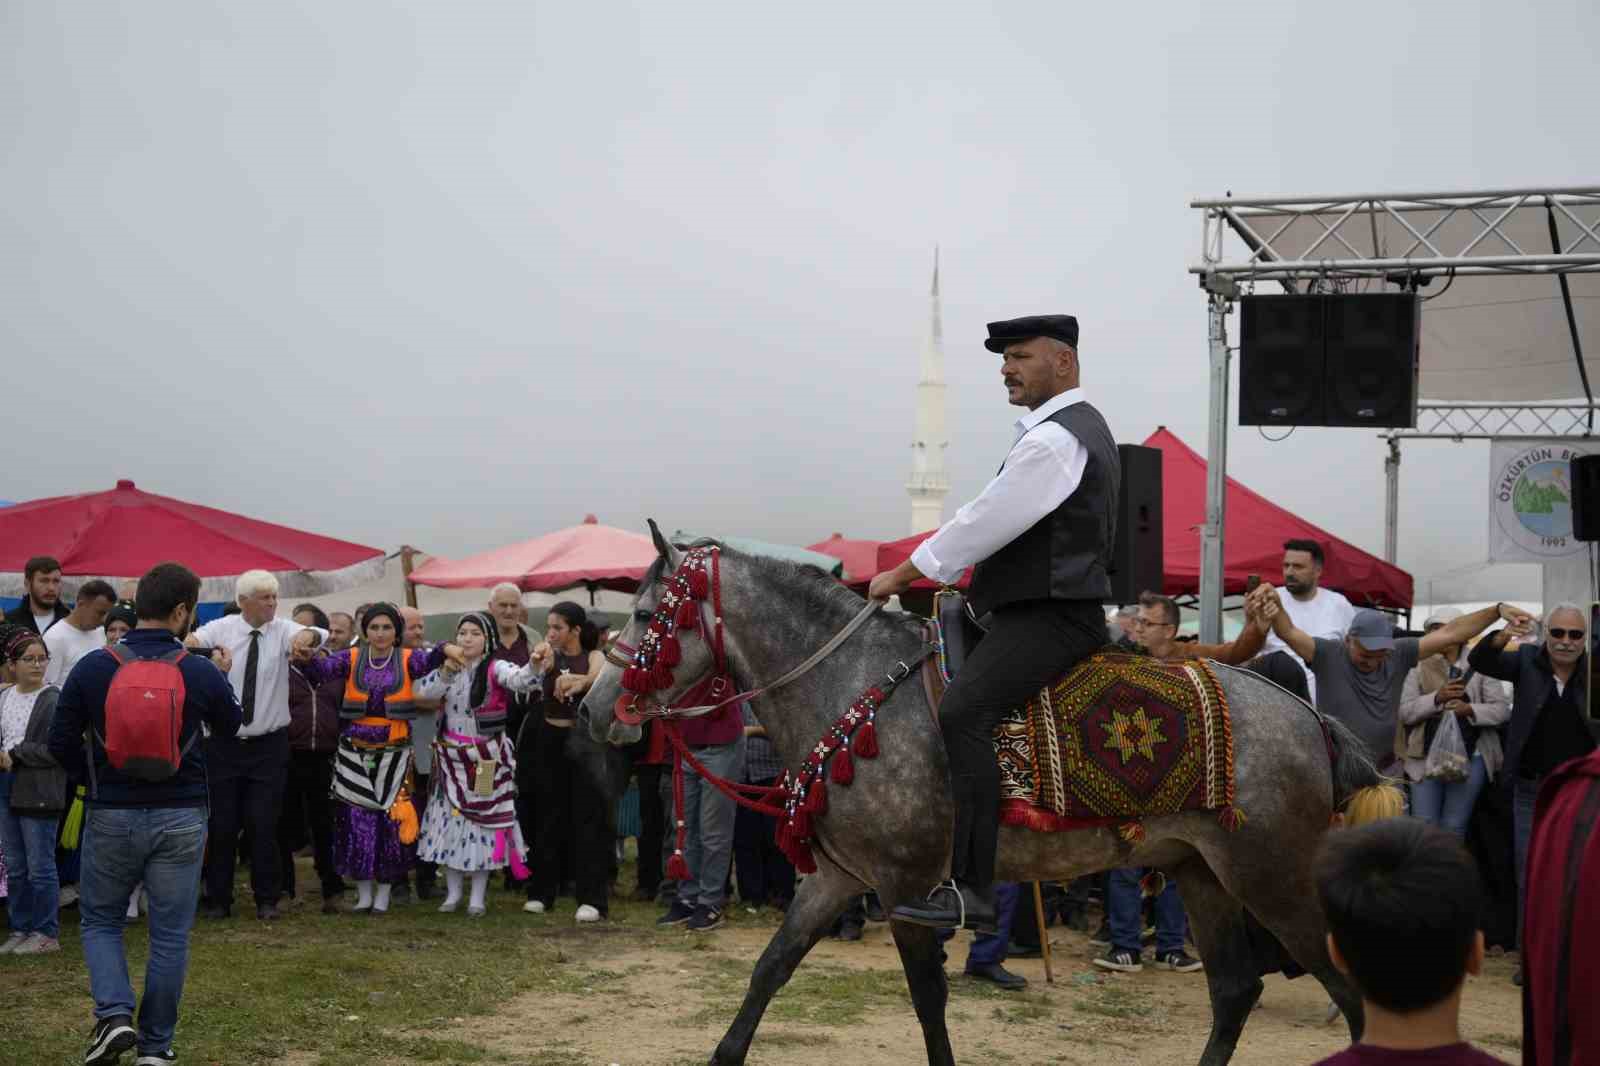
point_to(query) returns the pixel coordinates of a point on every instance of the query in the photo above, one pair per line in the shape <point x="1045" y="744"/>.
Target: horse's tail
<point x="1359" y="791"/>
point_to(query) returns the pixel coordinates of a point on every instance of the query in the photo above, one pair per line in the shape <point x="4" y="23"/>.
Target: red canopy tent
<point x="124" y="532"/>
<point x="860" y="557"/>
<point x="590" y="555"/>
<point x="1256" y="530"/>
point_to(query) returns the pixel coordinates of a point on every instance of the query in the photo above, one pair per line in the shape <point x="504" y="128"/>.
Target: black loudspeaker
<point x="1586" y="497"/>
<point x="1345" y="359"/>
<point x="1372" y="359"/>
<point x="1281" y="359"/>
<point x="1136" y="564"/>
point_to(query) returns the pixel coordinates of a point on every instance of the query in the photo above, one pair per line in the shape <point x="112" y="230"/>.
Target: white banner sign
<point x="1530" y="501"/>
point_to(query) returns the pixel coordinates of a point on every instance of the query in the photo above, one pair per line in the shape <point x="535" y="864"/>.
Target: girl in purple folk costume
<point x="470" y="827"/>
<point x="375" y="823"/>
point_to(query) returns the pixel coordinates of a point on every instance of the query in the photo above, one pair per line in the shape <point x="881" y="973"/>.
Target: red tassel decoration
<point x="633" y="679"/>
<point x="817" y="799"/>
<point x="875" y="694"/>
<point x="844" y="769"/>
<point x="671" y="653"/>
<point x="661" y="676"/>
<point x="687" y="613"/>
<point x="866" y="742"/>
<point x="677" y="868"/>
<point x="699" y="584"/>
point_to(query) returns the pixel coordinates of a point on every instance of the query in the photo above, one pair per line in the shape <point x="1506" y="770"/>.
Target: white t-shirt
<point x="43" y="622"/>
<point x="67" y="644"/>
<point x="1327" y="615"/>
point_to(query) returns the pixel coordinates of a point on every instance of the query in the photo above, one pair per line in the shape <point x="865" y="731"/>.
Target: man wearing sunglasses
<point x="1550" y="721"/>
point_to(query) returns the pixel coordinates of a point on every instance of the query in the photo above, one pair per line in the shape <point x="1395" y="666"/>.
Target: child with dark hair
<point x="1402" y="899"/>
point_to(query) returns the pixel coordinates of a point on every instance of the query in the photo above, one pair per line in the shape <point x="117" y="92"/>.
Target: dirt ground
<point x="668" y="1000"/>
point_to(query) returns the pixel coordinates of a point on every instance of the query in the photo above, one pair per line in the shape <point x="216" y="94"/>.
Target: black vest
<point x="1066" y="555"/>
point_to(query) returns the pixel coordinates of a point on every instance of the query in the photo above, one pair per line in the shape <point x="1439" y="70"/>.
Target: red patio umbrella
<point x="860" y="557"/>
<point x="124" y="532"/>
<point x="590" y="555"/>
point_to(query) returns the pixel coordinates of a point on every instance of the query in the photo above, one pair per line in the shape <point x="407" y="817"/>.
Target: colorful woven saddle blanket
<point x="1118" y="739"/>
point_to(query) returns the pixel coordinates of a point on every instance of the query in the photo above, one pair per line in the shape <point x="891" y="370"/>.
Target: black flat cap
<point x="1016" y="330"/>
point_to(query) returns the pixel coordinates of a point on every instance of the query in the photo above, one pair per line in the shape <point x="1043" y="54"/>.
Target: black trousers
<point x="1282" y="669"/>
<point x="525" y="737"/>
<point x="247" y="783"/>
<point x="652" y="825"/>
<point x="308" y="814"/>
<point x="571" y="795"/>
<point x="1028" y="645"/>
<point x="764" y="872"/>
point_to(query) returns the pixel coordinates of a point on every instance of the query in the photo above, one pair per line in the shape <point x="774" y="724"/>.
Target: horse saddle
<point x="1117" y="738"/>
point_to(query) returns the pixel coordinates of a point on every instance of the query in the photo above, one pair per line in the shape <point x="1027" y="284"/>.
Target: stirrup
<point x="961" y="901"/>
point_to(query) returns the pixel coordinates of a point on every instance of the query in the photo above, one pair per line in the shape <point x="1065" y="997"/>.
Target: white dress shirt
<point x="271" y="711"/>
<point x="1044" y="467"/>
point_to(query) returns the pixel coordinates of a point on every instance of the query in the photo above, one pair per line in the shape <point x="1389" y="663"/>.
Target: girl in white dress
<point x="470" y="826"/>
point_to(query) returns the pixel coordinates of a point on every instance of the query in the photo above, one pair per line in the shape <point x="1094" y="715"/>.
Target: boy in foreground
<point x="1402" y="899"/>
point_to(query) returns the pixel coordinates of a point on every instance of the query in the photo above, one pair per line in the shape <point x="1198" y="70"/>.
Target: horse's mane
<point x="809" y="588"/>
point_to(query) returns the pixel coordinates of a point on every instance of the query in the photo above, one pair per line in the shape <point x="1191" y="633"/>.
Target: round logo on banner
<point x="1533" y="500"/>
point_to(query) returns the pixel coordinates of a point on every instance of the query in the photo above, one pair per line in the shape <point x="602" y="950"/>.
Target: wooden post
<point x="1044" y="934"/>
<point x="406" y="552"/>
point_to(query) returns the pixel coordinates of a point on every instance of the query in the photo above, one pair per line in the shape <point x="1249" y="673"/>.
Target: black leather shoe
<point x="999" y="975"/>
<point x="216" y="910"/>
<point x="950" y="907"/>
<point x="267" y="912"/>
<point x="848" y="931"/>
<point x="1015" y="950"/>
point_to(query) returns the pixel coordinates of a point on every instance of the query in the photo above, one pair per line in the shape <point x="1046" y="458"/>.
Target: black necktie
<point x="251" y="661"/>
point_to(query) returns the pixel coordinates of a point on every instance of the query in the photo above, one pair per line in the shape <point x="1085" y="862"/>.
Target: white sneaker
<point x="449" y="906"/>
<point x="13" y="942"/>
<point x="69" y="896"/>
<point x="37" y="944"/>
<point x="533" y="906"/>
<point x="587" y="913"/>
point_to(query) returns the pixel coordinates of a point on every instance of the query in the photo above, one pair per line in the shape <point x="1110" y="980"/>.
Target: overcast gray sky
<point x="456" y="274"/>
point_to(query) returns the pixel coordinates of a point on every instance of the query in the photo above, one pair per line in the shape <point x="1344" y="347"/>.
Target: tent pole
<point x="1391" y="502"/>
<point x="406" y="552"/>
<point x="1211" y="557"/>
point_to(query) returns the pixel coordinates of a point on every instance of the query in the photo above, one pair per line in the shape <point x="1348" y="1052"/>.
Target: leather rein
<point x="708" y="621"/>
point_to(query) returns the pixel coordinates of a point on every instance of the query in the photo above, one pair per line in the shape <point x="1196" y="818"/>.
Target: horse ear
<point x="665" y="549"/>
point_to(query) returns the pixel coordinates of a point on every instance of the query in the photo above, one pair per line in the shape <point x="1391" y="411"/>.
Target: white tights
<point x="453" y="879"/>
<point x="364" y="896"/>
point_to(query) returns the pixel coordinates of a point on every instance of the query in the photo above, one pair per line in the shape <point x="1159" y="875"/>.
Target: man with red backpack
<point x="131" y="716"/>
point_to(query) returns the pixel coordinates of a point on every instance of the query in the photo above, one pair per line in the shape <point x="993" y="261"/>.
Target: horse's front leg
<point x="922" y="957"/>
<point x="821" y="899"/>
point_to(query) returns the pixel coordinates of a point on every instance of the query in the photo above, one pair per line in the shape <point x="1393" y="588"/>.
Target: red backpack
<point x="144" y="715"/>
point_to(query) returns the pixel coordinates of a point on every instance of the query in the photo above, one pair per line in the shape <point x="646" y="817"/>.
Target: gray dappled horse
<point x="890" y="830"/>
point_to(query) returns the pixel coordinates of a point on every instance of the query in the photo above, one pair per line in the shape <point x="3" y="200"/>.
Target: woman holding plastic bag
<point x="1447" y="738"/>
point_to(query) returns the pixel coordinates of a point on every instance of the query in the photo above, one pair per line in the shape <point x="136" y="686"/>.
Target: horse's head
<point x="664" y="649"/>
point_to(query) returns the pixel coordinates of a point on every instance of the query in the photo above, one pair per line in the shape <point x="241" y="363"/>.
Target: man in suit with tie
<point x="248" y="771"/>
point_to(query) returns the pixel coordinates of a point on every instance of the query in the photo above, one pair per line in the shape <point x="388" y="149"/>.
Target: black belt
<point x="259" y="736"/>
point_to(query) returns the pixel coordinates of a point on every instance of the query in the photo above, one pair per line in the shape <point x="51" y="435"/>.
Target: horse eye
<point x="642" y="616"/>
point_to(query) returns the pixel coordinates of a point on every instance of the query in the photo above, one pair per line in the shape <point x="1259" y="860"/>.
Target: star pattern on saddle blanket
<point x="1133" y="734"/>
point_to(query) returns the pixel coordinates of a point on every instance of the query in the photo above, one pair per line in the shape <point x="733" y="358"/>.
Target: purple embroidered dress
<point x="366" y="843"/>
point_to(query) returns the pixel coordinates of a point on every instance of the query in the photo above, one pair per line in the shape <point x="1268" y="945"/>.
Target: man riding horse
<point x="1040" y="535"/>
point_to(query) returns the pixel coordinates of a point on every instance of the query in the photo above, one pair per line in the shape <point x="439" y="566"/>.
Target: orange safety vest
<point x="398" y="704"/>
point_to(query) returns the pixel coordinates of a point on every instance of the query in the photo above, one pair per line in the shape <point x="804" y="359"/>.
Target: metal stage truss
<point x="1359" y="242"/>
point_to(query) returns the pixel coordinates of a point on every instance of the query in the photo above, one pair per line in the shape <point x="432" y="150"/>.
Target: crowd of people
<point x="392" y="759"/>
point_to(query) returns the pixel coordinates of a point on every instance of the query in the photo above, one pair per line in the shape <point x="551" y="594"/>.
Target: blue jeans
<point x="1123" y="913"/>
<point x="708" y="814"/>
<point x="163" y="847"/>
<point x="1449" y="803"/>
<point x="989" y="949"/>
<point x="29" y="847"/>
